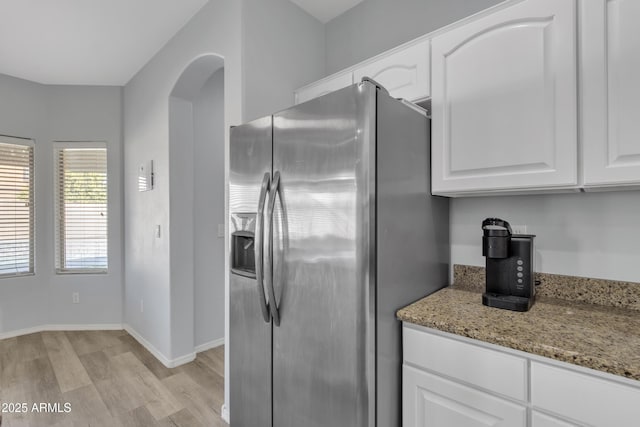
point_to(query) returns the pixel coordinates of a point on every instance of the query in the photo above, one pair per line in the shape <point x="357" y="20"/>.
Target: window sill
<point x="13" y="276"/>
<point x="81" y="271"/>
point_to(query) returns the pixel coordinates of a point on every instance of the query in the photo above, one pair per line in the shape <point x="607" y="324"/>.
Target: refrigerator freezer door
<point x="249" y="334"/>
<point x="324" y="349"/>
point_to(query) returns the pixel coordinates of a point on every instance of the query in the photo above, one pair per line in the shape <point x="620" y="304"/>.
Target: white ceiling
<point x="326" y="10"/>
<point x="86" y="42"/>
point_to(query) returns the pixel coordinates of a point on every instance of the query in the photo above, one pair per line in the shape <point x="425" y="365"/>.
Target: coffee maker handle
<point x="496" y="222"/>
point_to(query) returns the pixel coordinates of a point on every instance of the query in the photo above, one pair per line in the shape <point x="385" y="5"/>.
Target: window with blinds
<point x="16" y="206"/>
<point x="81" y="208"/>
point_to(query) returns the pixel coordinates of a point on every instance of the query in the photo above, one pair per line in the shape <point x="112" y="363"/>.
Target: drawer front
<point x="405" y="73"/>
<point x="581" y="397"/>
<point x="431" y="401"/>
<point x="488" y="369"/>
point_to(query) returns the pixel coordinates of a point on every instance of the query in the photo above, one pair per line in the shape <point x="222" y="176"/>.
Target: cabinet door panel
<point x="504" y="100"/>
<point x="431" y="401"/>
<point x="405" y="73"/>
<point x="611" y="90"/>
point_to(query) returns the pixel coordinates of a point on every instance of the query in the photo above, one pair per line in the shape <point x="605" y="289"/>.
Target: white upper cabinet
<point x="323" y="87"/>
<point x="611" y="92"/>
<point x="404" y="73"/>
<point x="504" y="101"/>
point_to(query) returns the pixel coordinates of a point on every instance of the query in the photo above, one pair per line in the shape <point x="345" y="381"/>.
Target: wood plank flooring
<point x="108" y="379"/>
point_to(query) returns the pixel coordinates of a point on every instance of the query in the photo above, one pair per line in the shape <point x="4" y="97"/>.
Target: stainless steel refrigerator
<point x="333" y="228"/>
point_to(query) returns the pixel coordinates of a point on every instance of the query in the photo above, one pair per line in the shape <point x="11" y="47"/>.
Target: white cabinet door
<point x="504" y="101"/>
<point x="542" y="420"/>
<point x="404" y="73"/>
<point x="323" y="87"/>
<point x="611" y="92"/>
<point x="432" y="401"/>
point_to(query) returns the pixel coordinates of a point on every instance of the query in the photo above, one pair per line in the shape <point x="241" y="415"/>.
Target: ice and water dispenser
<point x="243" y="260"/>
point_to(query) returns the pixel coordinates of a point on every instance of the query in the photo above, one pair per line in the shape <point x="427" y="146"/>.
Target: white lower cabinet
<point x="451" y="381"/>
<point x="432" y="401"/>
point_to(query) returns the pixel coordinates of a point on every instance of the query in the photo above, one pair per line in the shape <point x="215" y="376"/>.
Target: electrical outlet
<point x="75" y="297"/>
<point x="519" y="229"/>
<point x="221" y="230"/>
<point x="141" y="306"/>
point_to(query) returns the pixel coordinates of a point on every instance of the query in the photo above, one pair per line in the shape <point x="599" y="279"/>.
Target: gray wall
<point x="196" y="164"/>
<point x="67" y="113"/>
<point x="181" y="226"/>
<point x="582" y="234"/>
<point x="208" y="209"/>
<point x="214" y="30"/>
<point x="374" y="26"/>
<point x="283" y="49"/>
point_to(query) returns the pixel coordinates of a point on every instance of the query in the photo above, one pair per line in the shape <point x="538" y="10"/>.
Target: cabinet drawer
<point x="405" y="73"/>
<point x="581" y="397"/>
<point x="488" y="369"/>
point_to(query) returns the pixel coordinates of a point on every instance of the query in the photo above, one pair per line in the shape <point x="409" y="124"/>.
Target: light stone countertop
<point x="601" y="337"/>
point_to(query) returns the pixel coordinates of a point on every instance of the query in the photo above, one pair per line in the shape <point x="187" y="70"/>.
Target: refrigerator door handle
<point x="259" y="247"/>
<point x="273" y="191"/>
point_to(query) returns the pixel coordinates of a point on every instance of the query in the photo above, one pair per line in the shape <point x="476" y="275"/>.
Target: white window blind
<point x="81" y="208"/>
<point x="16" y="206"/>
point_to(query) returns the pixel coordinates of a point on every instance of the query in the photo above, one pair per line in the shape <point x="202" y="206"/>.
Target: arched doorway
<point x="196" y="181"/>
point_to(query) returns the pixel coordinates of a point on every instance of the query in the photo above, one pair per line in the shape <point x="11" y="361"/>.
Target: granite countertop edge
<point x="594" y="337"/>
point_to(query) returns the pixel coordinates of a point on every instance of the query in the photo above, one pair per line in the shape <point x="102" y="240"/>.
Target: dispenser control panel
<point x="243" y="262"/>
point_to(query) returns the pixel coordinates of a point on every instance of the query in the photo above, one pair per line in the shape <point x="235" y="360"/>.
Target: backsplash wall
<point x="579" y="234"/>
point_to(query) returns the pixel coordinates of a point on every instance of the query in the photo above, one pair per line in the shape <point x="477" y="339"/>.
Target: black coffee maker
<point x="509" y="283"/>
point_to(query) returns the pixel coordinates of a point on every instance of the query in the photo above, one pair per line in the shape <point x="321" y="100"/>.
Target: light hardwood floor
<point x="108" y="379"/>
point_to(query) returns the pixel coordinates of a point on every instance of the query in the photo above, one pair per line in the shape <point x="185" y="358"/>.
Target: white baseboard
<point x="90" y="327"/>
<point x="169" y="363"/>
<point x="209" y="345"/>
<point x="182" y="360"/>
<point x="71" y="327"/>
<point x="224" y="413"/>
